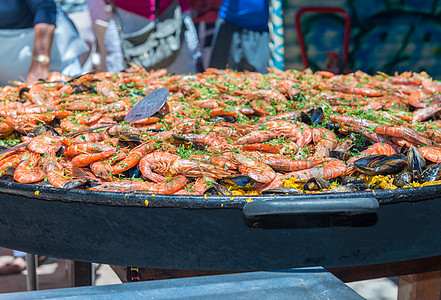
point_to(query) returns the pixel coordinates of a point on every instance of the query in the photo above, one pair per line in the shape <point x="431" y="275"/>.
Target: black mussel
<point x="298" y="97"/>
<point x="360" y="142"/>
<point x="416" y="162"/>
<point x="316" y="115"/>
<point x="381" y="164"/>
<point x="335" y="127"/>
<point x="349" y="188"/>
<point x="39" y="130"/>
<point x="431" y="173"/>
<point x="312" y="117"/>
<point x="352" y="180"/>
<point x="8" y="175"/>
<point x="282" y="191"/>
<point x="239" y="180"/>
<point x="60" y="151"/>
<point x="403" y="179"/>
<point x="404" y="150"/>
<point x="216" y="189"/>
<point x="343" y="156"/>
<point x="23" y="94"/>
<point x="228" y="119"/>
<point x="127" y="137"/>
<point x="76" y="183"/>
<point x="316" y="184"/>
<point x="134" y="172"/>
<point x="154" y="130"/>
<point x="187" y="142"/>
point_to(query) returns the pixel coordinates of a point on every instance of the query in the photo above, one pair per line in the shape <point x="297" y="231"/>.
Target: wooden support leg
<point x="420" y="286"/>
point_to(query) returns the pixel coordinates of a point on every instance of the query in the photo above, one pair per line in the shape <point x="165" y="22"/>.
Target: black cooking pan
<point x="222" y="233"/>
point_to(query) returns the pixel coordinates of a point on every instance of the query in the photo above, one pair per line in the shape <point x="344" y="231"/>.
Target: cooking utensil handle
<point x="306" y="206"/>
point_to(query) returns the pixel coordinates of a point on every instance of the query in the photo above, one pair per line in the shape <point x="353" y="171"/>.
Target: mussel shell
<point x="41" y="129"/>
<point x="312" y="117"/>
<point x="298" y="97"/>
<point x="23" y="93"/>
<point x="75" y="183"/>
<point x="403" y="179"/>
<point x="239" y="180"/>
<point x="316" y="115"/>
<point x="134" y="173"/>
<point x="184" y="141"/>
<point x="282" y="191"/>
<point x="416" y="161"/>
<point x="216" y="189"/>
<point x="154" y="130"/>
<point x="127" y="137"/>
<point x="431" y="173"/>
<point x="316" y="184"/>
<point x="8" y="175"/>
<point x="404" y="150"/>
<point x="335" y="127"/>
<point x="343" y="156"/>
<point x="381" y="164"/>
<point x="347" y="180"/>
<point x="228" y="119"/>
<point x="60" y="151"/>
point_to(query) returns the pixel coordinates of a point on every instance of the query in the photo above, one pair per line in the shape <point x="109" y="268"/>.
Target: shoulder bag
<point x="156" y="45"/>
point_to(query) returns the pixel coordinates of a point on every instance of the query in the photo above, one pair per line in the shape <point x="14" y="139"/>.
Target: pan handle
<point x="310" y="206"/>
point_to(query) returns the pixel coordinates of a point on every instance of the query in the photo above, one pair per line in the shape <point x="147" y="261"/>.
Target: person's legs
<point x="256" y="52"/>
<point x="221" y="44"/>
<point x="114" y="59"/>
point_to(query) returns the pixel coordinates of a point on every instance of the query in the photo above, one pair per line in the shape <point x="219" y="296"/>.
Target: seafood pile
<point x="224" y="132"/>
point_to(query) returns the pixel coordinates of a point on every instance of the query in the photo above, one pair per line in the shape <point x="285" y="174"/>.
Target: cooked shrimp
<point x="85" y="153"/>
<point x="45" y="143"/>
<point x="169" y="186"/>
<point x="432" y="154"/>
<point x="330" y="169"/>
<point x="324" y="140"/>
<point x="158" y="161"/>
<point x="11" y="161"/>
<point x="300" y="131"/>
<point x="358" y="91"/>
<point x="133" y="157"/>
<point x="283" y="163"/>
<point x="258" y="171"/>
<point x="54" y="172"/>
<point x="29" y="170"/>
<point x="257" y="136"/>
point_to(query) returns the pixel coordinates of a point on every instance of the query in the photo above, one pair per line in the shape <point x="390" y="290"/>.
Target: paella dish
<point x="224" y="132"/>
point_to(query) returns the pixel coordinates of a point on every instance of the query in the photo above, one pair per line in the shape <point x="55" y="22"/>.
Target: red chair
<point x="323" y="9"/>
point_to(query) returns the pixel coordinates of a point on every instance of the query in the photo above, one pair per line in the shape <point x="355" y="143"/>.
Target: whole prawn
<point x="258" y="171"/>
<point x="330" y="169"/>
<point x="29" y="170"/>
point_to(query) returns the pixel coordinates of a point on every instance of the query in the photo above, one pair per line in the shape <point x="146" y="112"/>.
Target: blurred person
<point x="205" y="14"/>
<point x="36" y="39"/>
<point x="18" y="264"/>
<point x="134" y="15"/>
<point x="241" y="38"/>
<point x="100" y="14"/>
<point x="78" y="12"/>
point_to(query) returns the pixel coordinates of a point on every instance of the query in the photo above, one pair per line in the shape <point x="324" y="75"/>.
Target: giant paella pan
<point x="269" y="171"/>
